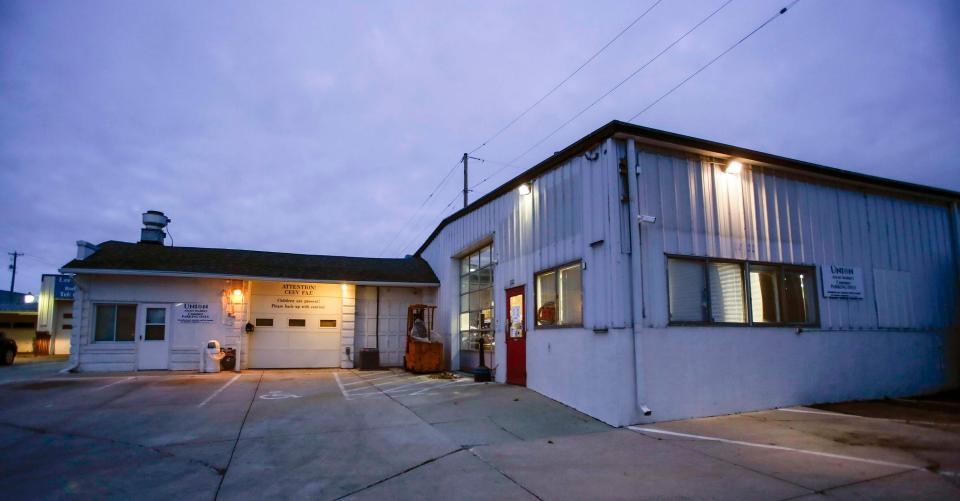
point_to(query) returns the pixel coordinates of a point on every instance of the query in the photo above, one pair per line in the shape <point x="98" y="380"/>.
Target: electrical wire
<point x="387" y="244"/>
<point x="439" y="216"/>
<point x="734" y="46"/>
<point x="610" y="91"/>
<point x="565" y="80"/>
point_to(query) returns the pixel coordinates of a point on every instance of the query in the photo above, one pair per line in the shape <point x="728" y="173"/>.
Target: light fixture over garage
<point x="524" y="189"/>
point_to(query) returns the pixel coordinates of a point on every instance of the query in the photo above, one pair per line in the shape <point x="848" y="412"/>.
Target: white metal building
<point x="146" y="306"/>
<point x="637" y="275"/>
<point x="643" y="272"/>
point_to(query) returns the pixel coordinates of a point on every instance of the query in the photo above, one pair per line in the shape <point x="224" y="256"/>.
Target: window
<point x="328" y="323"/>
<point x="296" y="322"/>
<point x="702" y="290"/>
<point x="782" y="294"/>
<point x="264" y="322"/>
<point x="68" y="315"/>
<point x="67" y="327"/>
<point x="155" y="328"/>
<point x="115" y="322"/>
<point x="23" y="325"/>
<point x="559" y="296"/>
<point x="476" y="299"/>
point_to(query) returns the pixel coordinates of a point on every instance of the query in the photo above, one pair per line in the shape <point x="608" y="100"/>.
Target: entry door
<point x="516" y="338"/>
<point x="153" y="337"/>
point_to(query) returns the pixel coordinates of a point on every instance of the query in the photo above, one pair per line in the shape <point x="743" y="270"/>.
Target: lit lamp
<point x="524" y="189"/>
<point x="237" y="293"/>
<point x="733" y="167"/>
<point x="29" y="298"/>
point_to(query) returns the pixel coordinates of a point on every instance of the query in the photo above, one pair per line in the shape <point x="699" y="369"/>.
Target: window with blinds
<point x="710" y="291"/>
<point x="705" y="291"/>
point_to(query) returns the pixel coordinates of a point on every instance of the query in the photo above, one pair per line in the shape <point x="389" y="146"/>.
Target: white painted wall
<point x="762" y="215"/>
<point x="393" y="319"/>
<point x="186" y="340"/>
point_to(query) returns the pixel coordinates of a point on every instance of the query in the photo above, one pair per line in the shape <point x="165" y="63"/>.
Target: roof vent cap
<point x="152" y="232"/>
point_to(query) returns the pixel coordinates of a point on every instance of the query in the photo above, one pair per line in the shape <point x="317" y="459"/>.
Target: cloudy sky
<point x="321" y="127"/>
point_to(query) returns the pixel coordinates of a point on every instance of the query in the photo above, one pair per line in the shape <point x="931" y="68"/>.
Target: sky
<point x="322" y="127"/>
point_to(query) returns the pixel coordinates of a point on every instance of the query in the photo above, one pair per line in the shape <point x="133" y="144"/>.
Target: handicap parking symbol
<point x="278" y="395"/>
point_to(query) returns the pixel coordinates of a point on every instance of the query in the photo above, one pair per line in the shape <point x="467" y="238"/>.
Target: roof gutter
<point x="187" y="274"/>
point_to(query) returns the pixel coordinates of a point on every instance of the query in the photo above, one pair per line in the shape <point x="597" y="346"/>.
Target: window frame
<point x="136" y="317"/>
<point x="747" y="292"/>
<point x="556" y="285"/>
<point x="479" y="251"/>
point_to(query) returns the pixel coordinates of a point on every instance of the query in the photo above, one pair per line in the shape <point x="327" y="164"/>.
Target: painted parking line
<point x="791" y="449"/>
<point x="114" y="383"/>
<point x="854" y="416"/>
<point x="219" y="390"/>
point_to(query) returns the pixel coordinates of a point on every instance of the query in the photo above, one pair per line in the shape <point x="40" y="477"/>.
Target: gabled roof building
<point x="636" y="275"/>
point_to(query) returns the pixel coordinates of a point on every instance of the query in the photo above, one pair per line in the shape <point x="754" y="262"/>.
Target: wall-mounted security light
<point x="733" y="167"/>
<point x="646" y="218"/>
<point x="238" y="293"/>
<point x="29" y="298"/>
<point x="524" y="189"/>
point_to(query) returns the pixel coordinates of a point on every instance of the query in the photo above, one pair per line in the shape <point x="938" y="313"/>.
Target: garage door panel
<point x="286" y="344"/>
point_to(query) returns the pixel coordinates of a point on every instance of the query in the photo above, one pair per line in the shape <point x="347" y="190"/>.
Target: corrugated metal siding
<point x="763" y="216"/>
<point x="569" y="208"/>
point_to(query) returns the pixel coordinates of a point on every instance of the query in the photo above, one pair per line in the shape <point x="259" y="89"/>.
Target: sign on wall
<point x="842" y="282"/>
<point x="193" y="313"/>
<point x="64" y="287"/>
<point x="300" y="298"/>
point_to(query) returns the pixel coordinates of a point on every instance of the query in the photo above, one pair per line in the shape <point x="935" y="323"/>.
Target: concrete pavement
<point x="329" y="434"/>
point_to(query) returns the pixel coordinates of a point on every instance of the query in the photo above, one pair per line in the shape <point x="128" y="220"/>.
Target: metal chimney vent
<point x="154" y="222"/>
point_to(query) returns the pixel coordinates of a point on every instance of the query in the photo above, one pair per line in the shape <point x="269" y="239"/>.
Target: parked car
<point x="8" y="350"/>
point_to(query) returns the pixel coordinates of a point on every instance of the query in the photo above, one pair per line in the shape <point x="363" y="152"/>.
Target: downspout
<point x="636" y="277"/>
<point x="376" y="329"/>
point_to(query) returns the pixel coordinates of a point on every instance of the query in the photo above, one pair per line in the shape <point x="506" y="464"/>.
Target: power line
<point x="565" y="80"/>
<point x="611" y="90"/>
<point x="440" y="215"/>
<point x="695" y="73"/>
<point x="388" y="243"/>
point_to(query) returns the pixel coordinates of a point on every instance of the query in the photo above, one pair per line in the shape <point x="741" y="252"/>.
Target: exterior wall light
<point x="524" y="189"/>
<point x="29" y="298"/>
<point x="237" y="293"/>
<point x="733" y="167"/>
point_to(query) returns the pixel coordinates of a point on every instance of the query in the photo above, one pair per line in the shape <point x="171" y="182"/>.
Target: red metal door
<point x="516" y="337"/>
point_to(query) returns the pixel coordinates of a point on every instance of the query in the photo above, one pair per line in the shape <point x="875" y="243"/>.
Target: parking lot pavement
<point x="329" y="434"/>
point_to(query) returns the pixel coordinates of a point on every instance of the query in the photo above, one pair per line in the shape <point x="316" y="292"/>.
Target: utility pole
<point x="13" y="276"/>
<point x="466" y="157"/>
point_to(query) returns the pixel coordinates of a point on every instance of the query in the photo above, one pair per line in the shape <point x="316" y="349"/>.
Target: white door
<point x="153" y="337"/>
<point x="295" y="325"/>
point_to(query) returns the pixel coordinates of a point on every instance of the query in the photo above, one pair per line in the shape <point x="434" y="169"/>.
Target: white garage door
<point x="295" y="325"/>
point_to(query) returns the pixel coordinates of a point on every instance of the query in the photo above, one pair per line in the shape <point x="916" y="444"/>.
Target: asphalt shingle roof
<point x="132" y="257"/>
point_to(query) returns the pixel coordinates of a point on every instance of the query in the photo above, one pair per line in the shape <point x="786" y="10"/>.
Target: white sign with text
<point x="193" y="313"/>
<point x="842" y="282"/>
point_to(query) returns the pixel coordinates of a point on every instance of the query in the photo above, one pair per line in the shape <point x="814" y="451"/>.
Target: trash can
<point x="229" y="360"/>
<point x="212" y="356"/>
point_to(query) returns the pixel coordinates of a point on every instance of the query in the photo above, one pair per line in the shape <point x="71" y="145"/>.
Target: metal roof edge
<point x="187" y="274"/>
<point x="619" y="127"/>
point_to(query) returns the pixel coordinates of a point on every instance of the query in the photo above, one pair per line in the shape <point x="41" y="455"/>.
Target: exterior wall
<point x="186" y="340"/>
<point x="51" y="319"/>
<point x="899" y="340"/>
<point x="393" y="319"/>
<point x="573" y="213"/>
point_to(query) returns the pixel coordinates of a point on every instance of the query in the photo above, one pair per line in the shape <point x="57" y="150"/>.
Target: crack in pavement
<point x="233" y="450"/>
<point x="395" y="475"/>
